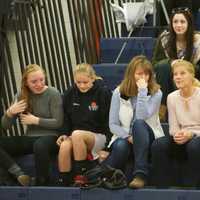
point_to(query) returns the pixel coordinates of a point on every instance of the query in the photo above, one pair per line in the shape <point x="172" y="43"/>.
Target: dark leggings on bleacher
<point x="42" y="147"/>
<point x="164" y="78"/>
<point x="176" y="165"/>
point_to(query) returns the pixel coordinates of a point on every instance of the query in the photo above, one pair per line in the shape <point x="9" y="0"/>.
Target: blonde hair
<point x="128" y="85"/>
<point x="24" y="95"/>
<point x="188" y="66"/>
<point x="87" y="69"/>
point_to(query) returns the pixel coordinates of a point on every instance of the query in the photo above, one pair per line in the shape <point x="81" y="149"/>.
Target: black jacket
<point x="87" y="111"/>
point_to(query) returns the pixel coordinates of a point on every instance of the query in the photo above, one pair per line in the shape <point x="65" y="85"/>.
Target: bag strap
<point x="91" y="186"/>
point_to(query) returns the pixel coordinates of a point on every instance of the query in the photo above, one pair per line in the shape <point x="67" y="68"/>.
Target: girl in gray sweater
<point x="39" y="108"/>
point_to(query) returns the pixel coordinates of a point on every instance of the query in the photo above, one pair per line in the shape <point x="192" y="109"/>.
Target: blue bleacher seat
<point x="57" y="193"/>
<point x="97" y="194"/>
<point x="110" y="48"/>
<point x="164" y="194"/>
<point x="112" y="74"/>
<point x="145" y="31"/>
<point x="14" y="193"/>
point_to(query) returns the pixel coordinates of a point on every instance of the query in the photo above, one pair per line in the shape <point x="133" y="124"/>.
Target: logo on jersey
<point x="93" y="106"/>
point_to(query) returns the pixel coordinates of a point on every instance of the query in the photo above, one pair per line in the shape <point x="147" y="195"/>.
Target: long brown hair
<point x="25" y="92"/>
<point x="189" y="35"/>
<point x="128" y="85"/>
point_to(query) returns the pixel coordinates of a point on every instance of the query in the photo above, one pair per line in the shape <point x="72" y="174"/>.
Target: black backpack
<point x="105" y="176"/>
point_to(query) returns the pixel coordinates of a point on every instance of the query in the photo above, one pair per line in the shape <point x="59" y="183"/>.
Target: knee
<point x="40" y="146"/>
<point x="77" y="136"/>
<point x="121" y="145"/>
<point x="66" y="146"/>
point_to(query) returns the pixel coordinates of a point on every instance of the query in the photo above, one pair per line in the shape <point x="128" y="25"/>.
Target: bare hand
<point x="103" y="155"/>
<point x="182" y="137"/>
<point x="130" y="139"/>
<point x="61" y="139"/>
<point x="28" y="119"/>
<point x="141" y="83"/>
<point x="16" y="108"/>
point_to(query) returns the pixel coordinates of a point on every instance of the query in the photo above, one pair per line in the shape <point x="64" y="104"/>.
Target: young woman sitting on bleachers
<point x="181" y="41"/>
<point x="39" y="108"/>
<point x="86" y="110"/>
<point x="176" y="159"/>
<point x="134" y="119"/>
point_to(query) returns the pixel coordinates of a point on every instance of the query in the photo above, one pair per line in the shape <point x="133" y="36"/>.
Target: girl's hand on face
<point x="28" y="119"/>
<point x="16" y="108"/>
<point x="141" y="83"/>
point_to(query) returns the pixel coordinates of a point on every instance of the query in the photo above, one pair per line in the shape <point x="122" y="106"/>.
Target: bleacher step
<point x="111" y="47"/>
<point x="67" y="193"/>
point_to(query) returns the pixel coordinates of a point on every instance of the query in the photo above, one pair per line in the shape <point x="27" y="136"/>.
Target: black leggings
<point x="175" y="164"/>
<point x="42" y="147"/>
<point x="164" y="79"/>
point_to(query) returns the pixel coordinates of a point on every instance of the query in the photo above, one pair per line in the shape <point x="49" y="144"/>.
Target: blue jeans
<point x="119" y="155"/>
<point x="143" y="137"/>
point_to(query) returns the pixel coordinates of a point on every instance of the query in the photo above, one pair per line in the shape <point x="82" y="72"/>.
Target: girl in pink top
<point x="176" y="159"/>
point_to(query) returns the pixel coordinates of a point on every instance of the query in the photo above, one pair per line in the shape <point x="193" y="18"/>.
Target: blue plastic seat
<point x="111" y="47"/>
<point x="112" y="74"/>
